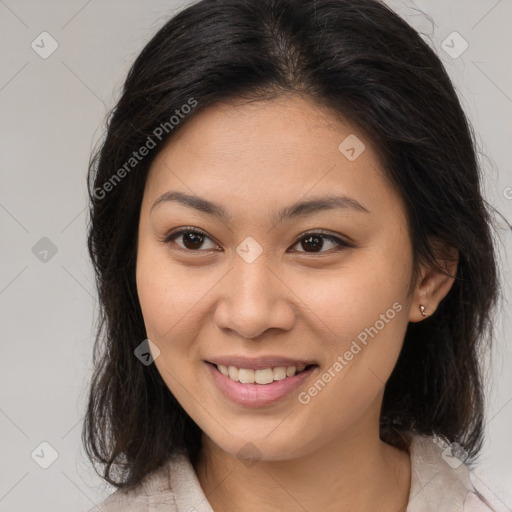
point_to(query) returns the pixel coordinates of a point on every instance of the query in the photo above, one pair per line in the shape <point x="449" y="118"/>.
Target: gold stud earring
<point x="422" y="309"/>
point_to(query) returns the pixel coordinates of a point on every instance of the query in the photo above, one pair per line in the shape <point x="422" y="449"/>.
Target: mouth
<point x="262" y="376"/>
<point x="257" y="388"/>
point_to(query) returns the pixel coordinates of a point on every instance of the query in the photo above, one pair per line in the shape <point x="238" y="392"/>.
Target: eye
<point x="315" y="240"/>
<point x="193" y="239"/>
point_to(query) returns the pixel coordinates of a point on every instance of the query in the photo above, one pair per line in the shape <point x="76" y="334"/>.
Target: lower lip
<point x="257" y="395"/>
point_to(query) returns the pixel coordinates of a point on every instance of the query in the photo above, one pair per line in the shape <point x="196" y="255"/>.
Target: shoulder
<point x="172" y="487"/>
<point x="440" y="480"/>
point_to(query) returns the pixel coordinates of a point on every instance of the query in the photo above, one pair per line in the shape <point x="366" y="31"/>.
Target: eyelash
<point x="320" y="233"/>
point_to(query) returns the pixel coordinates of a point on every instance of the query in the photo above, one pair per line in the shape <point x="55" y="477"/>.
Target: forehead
<point x="268" y="152"/>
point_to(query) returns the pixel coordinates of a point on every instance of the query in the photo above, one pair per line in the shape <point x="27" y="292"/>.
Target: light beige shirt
<point x="439" y="483"/>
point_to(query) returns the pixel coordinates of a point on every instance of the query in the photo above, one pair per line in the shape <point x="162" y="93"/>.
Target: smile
<point x="263" y="376"/>
<point x="246" y="390"/>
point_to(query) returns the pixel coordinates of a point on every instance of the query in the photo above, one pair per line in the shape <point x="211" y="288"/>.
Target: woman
<point x="295" y="267"/>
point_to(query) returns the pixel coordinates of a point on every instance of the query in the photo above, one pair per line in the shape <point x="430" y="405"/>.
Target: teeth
<point x="246" y="376"/>
<point x="223" y="369"/>
<point x="264" y="376"/>
<point x="279" y="373"/>
<point x="233" y="373"/>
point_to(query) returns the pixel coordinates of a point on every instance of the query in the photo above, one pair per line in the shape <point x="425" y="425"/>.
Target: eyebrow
<point x="301" y="208"/>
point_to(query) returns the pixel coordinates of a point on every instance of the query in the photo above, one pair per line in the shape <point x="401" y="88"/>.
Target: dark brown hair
<point x="368" y="66"/>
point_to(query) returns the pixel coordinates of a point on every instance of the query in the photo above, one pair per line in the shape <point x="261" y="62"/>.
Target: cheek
<point x="172" y="297"/>
<point x="346" y="302"/>
<point x="163" y="294"/>
<point x="362" y="309"/>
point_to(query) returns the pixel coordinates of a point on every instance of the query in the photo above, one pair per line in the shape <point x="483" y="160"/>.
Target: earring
<point x="422" y="309"/>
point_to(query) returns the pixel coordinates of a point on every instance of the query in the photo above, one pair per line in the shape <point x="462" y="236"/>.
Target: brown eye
<point x="191" y="238"/>
<point x="314" y="242"/>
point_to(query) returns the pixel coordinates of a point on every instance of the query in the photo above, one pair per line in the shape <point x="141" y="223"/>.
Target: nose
<point x="254" y="299"/>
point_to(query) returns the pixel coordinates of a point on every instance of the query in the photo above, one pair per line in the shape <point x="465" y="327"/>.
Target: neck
<point x="355" y="471"/>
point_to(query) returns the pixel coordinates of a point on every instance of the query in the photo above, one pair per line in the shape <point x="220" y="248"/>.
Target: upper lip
<point x="259" y="363"/>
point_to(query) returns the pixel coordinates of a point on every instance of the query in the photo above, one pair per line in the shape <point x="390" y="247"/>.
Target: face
<point x="265" y="284"/>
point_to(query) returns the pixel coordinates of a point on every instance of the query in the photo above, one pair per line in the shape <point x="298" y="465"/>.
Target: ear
<point x="433" y="284"/>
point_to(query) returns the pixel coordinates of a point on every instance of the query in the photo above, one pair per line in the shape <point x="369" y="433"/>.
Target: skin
<point x="254" y="159"/>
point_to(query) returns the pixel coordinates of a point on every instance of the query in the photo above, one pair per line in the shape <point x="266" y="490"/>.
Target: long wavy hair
<point x="370" y="67"/>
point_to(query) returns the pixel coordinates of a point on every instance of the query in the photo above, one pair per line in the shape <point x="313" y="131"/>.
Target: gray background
<point x="52" y="113"/>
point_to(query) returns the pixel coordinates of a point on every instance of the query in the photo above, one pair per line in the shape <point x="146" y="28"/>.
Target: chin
<point x="262" y="445"/>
